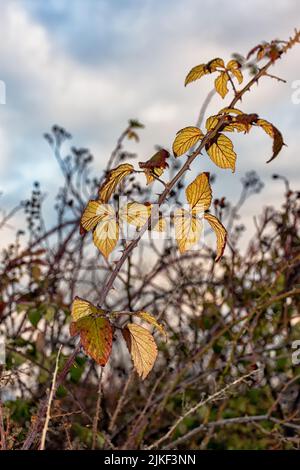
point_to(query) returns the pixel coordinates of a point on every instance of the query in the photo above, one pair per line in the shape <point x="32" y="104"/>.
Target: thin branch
<point x="169" y="186"/>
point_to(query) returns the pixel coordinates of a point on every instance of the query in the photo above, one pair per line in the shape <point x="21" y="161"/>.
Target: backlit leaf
<point x="241" y="122"/>
<point x="93" y="213"/>
<point x="135" y="213"/>
<point x="235" y="126"/>
<point x="276" y="135"/>
<point x="95" y="336"/>
<point x="247" y="119"/>
<point x="82" y="308"/>
<point x="113" y="178"/>
<point x="203" y="69"/>
<point x="220" y="150"/>
<point x="185" y="139"/>
<point x="214" y="64"/>
<point x="188" y="229"/>
<point x="152" y="320"/>
<point x="106" y="235"/>
<point x="220" y="232"/>
<point x="230" y="111"/>
<point x="238" y="75"/>
<point x="198" y="193"/>
<point x="221" y="84"/>
<point x="196" y="73"/>
<point x="142" y="348"/>
<point x="158" y="160"/>
<point x="211" y="122"/>
<point x="131" y="135"/>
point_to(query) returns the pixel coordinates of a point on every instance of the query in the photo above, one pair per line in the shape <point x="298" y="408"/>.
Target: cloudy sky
<point x="89" y="65"/>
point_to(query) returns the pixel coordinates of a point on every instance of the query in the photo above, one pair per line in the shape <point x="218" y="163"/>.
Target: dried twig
<point x="51" y="396"/>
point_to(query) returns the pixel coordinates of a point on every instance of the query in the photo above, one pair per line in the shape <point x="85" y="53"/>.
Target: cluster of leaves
<point x="220" y="322"/>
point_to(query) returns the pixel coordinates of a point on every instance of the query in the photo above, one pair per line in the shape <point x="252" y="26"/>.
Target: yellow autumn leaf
<point x="266" y="126"/>
<point x="135" y="213"/>
<point x="273" y="132"/>
<point x="198" y="193"/>
<point x="233" y="65"/>
<point x="221" y="83"/>
<point x="151" y="173"/>
<point x="113" y="178"/>
<point x="133" y="135"/>
<point x="142" y="348"/>
<point x="152" y="320"/>
<point x="220" y="232"/>
<point x="238" y="75"/>
<point x="196" y="73"/>
<point x="82" y="308"/>
<point x="93" y="213"/>
<point x="95" y="336"/>
<point x="185" y="139"/>
<point x="220" y="150"/>
<point x="106" y="234"/>
<point x="188" y="229"/>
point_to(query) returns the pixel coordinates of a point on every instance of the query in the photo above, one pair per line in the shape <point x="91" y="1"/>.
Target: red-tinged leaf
<point x="96" y="335"/>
